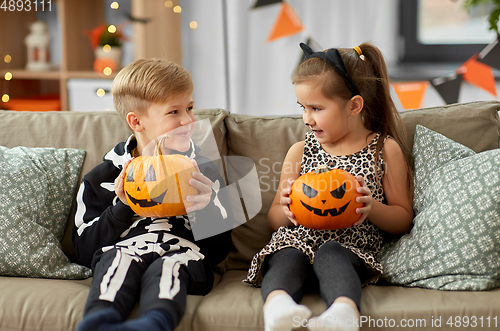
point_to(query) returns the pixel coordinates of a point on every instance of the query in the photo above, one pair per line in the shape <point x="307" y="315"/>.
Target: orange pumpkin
<point x="325" y="200"/>
<point x="157" y="186"/>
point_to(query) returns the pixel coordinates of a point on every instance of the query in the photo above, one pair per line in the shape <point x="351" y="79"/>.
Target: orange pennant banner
<point x="287" y="24"/>
<point x="411" y="95"/>
<point x="479" y="75"/>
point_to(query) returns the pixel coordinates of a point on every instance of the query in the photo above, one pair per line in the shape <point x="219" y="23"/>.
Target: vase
<point x="108" y="58"/>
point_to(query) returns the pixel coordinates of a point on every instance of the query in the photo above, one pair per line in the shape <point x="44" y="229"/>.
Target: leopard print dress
<point x="365" y="240"/>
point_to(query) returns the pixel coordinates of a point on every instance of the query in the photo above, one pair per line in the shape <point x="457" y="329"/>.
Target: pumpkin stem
<point x="159" y="143"/>
<point x="321" y="168"/>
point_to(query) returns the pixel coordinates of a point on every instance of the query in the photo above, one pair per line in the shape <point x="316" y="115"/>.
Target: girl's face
<point x="327" y="118"/>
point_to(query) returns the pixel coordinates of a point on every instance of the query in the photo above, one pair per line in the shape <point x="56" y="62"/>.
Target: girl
<point x="346" y="102"/>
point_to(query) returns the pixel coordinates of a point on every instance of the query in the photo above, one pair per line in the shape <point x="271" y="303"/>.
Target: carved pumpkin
<point x="157" y="186"/>
<point x="325" y="200"/>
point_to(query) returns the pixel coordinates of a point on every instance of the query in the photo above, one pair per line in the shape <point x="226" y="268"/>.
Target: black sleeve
<point x="99" y="217"/>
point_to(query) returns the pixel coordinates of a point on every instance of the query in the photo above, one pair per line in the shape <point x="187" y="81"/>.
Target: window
<point x="442" y="30"/>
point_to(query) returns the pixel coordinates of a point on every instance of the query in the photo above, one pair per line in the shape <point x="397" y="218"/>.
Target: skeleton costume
<point x="155" y="261"/>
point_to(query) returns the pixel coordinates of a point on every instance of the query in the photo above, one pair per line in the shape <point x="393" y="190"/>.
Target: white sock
<point x="340" y="316"/>
<point x="282" y="313"/>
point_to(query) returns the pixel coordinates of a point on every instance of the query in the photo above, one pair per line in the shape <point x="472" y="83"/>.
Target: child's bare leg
<point x="282" y="313"/>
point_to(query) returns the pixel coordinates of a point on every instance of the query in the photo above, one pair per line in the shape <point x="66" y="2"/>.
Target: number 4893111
<point x="26" y="5"/>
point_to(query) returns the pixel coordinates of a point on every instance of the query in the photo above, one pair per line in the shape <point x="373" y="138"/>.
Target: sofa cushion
<point x="41" y="304"/>
<point x="474" y="124"/>
<point x="430" y="152"/>
<point x="56" y="305"/>
<point x="233" y="305"/>
<point x="36" y="194"/>
<point x="265" y="140"/>
<point x="455" y="240"/>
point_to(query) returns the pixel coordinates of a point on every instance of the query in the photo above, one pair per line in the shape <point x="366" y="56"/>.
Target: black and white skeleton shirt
<point x="100" y="219"/>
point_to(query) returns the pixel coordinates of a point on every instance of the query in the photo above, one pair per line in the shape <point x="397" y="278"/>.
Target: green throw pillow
<point x="455" y="240"/>
<point x="36" y="192"/>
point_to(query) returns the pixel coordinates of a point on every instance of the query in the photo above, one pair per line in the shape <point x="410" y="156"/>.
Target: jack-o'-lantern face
<point x="326" y="200"/>
<point x="157" y="186"/>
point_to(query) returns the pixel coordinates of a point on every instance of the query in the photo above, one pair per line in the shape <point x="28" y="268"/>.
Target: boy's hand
<point x="366" y="199"/>
<point x="285" y="201"/>
<point x="120" y="184"/>
<point x="204" y="186"/>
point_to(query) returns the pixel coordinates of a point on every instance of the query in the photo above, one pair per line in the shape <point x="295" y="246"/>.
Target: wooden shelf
<point x="88" y="75"/>
<point x="26" y="74"/>
<point x="161" y="37"/>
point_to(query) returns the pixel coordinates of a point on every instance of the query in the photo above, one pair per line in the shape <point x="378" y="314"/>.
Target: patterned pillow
<point x="455" y="240"/>
<point x="36" y="193"/>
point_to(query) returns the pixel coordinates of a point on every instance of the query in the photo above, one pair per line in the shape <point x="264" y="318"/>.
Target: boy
<point x="155" y="261"/>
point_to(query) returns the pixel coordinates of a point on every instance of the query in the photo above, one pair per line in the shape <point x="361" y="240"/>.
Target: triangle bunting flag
<point x="490" y="55"/>
<point x="448" y="87"/>
<point x="261" y="3"/>
<point x="411" y="94"/>
<point x="287" y="24"/>
<point x="479" y="75"/>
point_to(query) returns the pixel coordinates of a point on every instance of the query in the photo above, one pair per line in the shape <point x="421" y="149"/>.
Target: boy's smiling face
<point x="174" y="118"/>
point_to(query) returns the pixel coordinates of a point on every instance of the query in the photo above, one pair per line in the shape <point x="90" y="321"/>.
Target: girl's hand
<point x="366" y="199"/>
<point x="285" y="201"/>
<point x="120" y="184"/>
<point x="204" y="186"/>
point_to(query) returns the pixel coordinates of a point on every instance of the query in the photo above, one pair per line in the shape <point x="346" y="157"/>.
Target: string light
<point x="169" y="4"/>
<point x="7" y="58"/>
<point x="107" y="71"/>
<point x="106" y="48"/>
<point x="100" y="92"/>
<point x="177" y="9"/>
<point x="193" y="25"/>
<point x="8" y="76"/>
<point x="5" y="98"/>
<point x="115" y="5"/>
<point x="111" y="28"/>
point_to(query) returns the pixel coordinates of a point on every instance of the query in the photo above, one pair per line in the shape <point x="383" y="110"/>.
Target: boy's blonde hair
<point x="148" y="81"/>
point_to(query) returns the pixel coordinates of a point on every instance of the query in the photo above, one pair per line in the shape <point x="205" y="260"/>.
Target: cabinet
<point x="160" y="37"/>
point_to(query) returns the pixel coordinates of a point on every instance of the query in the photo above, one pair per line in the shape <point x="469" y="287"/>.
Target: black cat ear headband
<point x="333" y="58"/>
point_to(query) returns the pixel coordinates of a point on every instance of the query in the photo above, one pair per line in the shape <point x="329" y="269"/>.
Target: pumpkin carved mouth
<point x="145" y="203"/>
<point x="332" y="211"/>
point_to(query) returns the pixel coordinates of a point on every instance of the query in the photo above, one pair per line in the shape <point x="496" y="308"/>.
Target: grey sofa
<point x="56" y="304"/>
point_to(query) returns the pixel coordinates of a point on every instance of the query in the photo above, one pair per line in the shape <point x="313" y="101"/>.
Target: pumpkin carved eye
<point x="338" y="193"/>
<point x="150" y="175"/>
<point x="309" y="191"/>
<point x="130" y="174"/>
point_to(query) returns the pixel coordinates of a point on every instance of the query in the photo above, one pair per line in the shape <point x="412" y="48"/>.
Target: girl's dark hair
<point x="369" y="73"/>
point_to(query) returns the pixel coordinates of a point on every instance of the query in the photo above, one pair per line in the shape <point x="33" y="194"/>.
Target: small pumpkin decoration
<point x="157" y="186"/>
<point x="325" y="200"/>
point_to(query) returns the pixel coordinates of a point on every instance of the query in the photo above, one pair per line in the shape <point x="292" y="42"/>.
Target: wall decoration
<point x="448" y="87"/>
<point x="477" y="71"/>
<point x="490" y="55"/>
<point x="261" y="3"/>
<point x="411" y="94"/>
<point x="287" y="23"/>
<point x="479" y="75"/>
